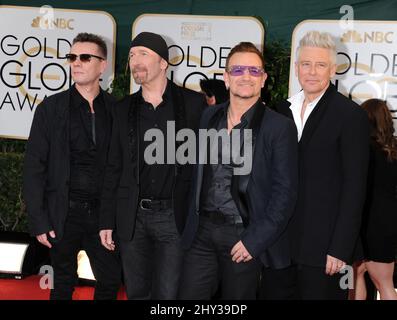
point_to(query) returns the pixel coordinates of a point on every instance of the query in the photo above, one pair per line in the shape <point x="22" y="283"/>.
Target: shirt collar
<point x="78" y="99"/>
<point x="298" y="99"/>
<point x="167" y="94"/>
<point x="249" y="114"/>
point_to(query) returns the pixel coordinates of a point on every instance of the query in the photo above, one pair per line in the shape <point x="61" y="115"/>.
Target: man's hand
<point x="334" y="265"/>
<point x="239" y="253"/>
<point x="42" y="238"/>
<point x="106" y="239"/>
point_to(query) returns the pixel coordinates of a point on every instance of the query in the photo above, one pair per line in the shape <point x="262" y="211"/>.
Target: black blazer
<point x="47" y="163"/>
<point x="120" y="195"/>
<point x="333" y="162"/>
<point x="265" y="197"/>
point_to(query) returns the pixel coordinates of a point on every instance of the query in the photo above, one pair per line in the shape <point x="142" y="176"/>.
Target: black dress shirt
<point x="217" y="178"/>
<point x="156" y="180"/>
<point x="86" y="130"/>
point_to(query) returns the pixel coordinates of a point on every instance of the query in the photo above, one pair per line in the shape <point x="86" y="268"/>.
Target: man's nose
<point x="312" y="69"/>
<point x="246" y="73"/>
<point x="133" y="62"/>
<point x="76" y="62"/>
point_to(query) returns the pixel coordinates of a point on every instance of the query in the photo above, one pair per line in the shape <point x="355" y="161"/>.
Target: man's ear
<point x="226" y="80"/>
<point x="163" y="64"/>
<point x="332" y="71"/>
<point x="264" y="79"/>
<point x="104" y="66"/>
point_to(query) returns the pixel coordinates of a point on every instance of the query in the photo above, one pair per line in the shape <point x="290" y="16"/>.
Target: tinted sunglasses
<point x="239" y="71"/>
<point x="84" y="57"/>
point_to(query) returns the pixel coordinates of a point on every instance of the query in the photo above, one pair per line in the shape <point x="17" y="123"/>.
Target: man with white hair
<point x="333" y="137"/>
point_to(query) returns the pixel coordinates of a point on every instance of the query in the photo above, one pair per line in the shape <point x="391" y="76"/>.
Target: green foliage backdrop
<point x="12" y="209"/>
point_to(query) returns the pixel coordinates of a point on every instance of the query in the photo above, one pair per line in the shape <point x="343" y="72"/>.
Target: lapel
<point x="178" y="103"/>
<point x="104" y="122"/>
<point x="284" y="109"/>
<point x="63" y="121"/>
<point x="239" y="183"/>
<point x="133" y="133"/>
<point x="316" y="116"/>
<point x="207" y="123"/>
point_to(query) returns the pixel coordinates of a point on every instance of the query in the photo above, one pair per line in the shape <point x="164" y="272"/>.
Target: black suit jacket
<point x="47" y="163"/>
<point x="333" y="162"/>
<point x="266" y="196"/>
<point x="121" y="186"/>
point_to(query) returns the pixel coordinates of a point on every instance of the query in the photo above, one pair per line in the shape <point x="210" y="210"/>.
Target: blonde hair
<point x="318" y="40"/>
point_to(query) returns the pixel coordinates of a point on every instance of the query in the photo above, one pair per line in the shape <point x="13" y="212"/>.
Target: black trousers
<point x="277" y="284"/>
<point x="208" y="263"/>
<point x="152" y="260"/>
<point x="301" y="282"/>
<point x="81" y="233"/>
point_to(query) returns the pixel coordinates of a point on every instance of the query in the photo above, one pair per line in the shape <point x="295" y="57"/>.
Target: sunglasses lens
<point x="239" y="71"/>
<point x="254" y="71"/>
<point x="236" y="71"/>
<point x="70" y="57"/>
<point x="85" y="57"/>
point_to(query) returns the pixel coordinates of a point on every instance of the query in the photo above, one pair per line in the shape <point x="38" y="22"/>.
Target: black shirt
<point x="85" y="139"/>
<point x="156" y="180"/>
<point x="217" y="178"/>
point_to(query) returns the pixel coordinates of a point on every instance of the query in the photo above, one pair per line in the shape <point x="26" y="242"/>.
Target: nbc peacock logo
<point x="351" y="36"/>
<point x="354" y="36"/>
<point x="58" y="23"/>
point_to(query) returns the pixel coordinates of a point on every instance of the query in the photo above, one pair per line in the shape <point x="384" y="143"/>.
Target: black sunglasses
<point x="84" y="57"/>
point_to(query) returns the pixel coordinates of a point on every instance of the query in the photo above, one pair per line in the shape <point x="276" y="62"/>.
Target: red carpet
<point x="29" y="289"/>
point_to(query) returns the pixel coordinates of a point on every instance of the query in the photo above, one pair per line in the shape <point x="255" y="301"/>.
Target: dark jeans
<point x="208" y="263"/>
<point x="152" y="260"/>
<point x="81" y="233"/>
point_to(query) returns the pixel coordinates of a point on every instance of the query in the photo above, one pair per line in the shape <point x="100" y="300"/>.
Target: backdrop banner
<point x="33" y="45"/>
<point x="199" y="45"/>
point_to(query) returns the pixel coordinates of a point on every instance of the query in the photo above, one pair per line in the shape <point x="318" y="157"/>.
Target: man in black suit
<point x="146" y="201"/>
<point x="333" y="139"/>
<point x="237" y="218"/>
<point x="63" y="172"/>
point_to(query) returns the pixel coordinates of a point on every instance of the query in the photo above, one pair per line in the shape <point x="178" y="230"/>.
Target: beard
<point x="140" y="75"/>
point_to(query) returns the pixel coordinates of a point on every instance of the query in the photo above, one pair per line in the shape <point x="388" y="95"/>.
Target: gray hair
<point x="318" y="40"/>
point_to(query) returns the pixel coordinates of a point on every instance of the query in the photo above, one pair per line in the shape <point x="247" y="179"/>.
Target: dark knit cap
<point x="151" y="41"/>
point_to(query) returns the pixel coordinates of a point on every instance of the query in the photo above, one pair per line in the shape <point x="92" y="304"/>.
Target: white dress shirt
<point x="296" y="108"/>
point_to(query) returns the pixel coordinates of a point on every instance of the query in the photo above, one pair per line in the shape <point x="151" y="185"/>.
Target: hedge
<point x="12" y="208"/>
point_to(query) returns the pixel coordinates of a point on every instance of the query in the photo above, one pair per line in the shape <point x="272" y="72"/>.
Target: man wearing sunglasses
<point x="146" y="203"/>
<point x="63" y="172"/>
<point x="236" y="222"/>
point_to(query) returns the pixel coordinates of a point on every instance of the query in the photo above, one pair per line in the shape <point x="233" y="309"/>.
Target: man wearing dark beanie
<point x="146" y="204"/>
